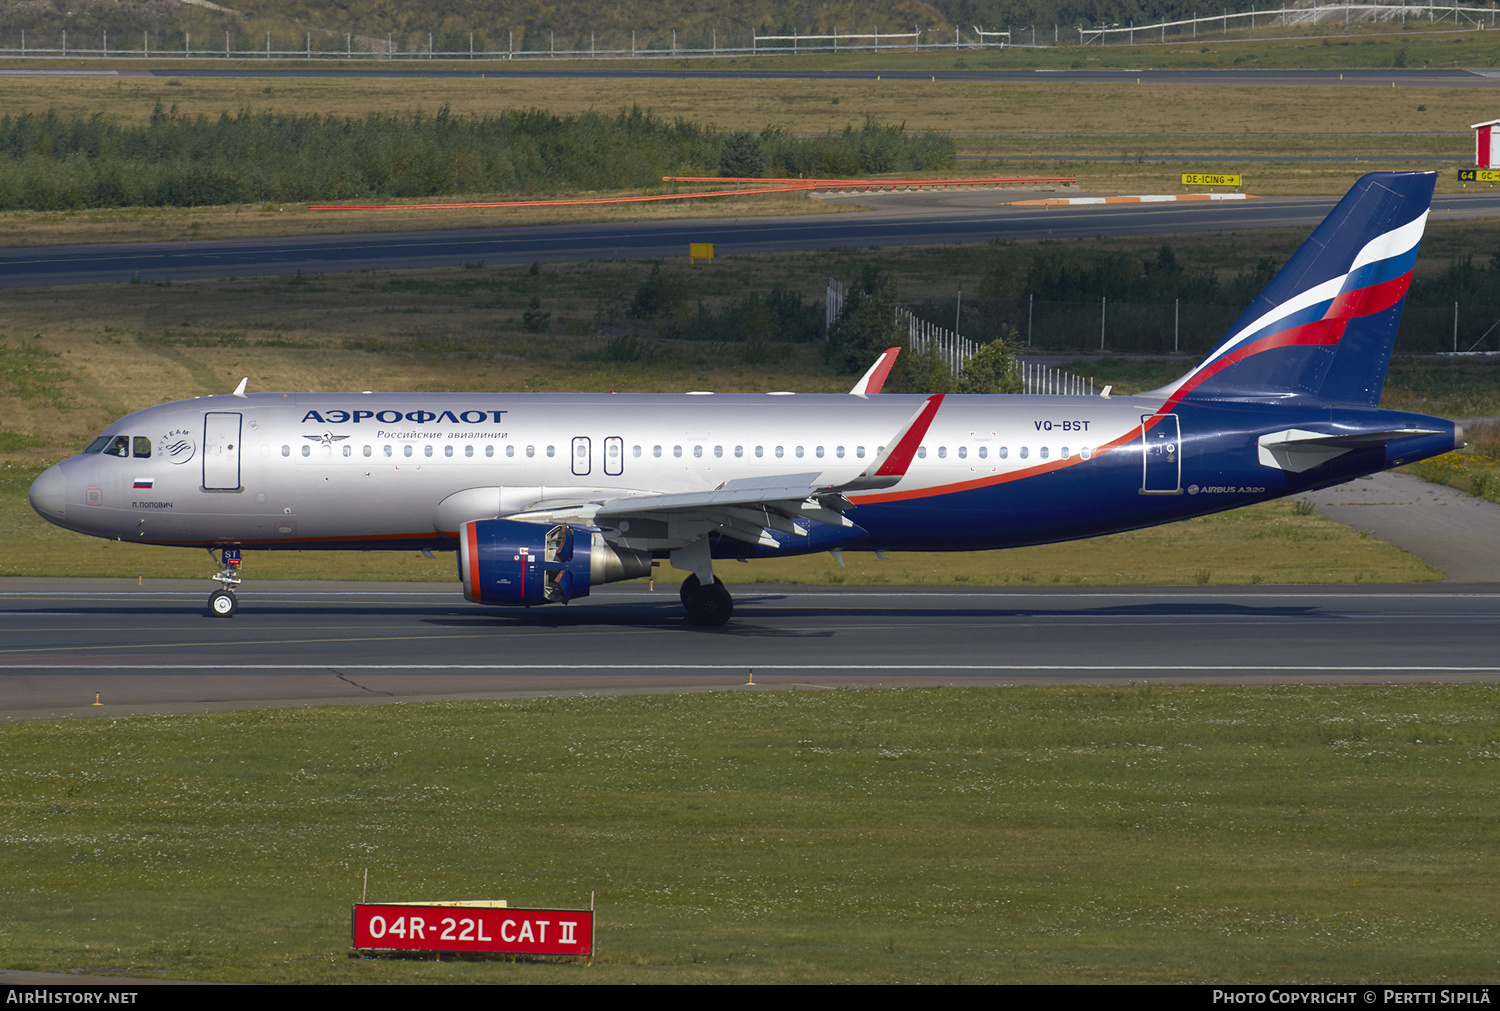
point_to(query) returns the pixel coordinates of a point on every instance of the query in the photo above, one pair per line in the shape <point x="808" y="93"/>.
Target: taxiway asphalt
<point x="904" y="219"/>
<point x="152" y="649"/>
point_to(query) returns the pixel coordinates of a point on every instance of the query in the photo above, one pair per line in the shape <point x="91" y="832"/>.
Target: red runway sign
<point x="414" y="927"/>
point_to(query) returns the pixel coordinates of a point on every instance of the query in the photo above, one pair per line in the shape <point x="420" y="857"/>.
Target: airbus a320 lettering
<point x="544" y="496"/>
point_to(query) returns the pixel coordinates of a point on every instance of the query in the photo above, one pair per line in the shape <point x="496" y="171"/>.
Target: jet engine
<point x="511" y="562"/>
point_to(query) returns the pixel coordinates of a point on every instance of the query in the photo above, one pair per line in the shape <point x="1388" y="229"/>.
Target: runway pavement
<point x="894" y="219"/>
<point x="152" y="649"/>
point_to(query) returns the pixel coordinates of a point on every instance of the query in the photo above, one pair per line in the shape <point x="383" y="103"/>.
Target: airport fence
<point x="1287" y="16"/>
<point x="478" y="46"/>
<point x="706" y="43"/>
<point x="1193" y="328"/>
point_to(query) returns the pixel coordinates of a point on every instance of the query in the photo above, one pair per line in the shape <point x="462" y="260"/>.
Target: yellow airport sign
<point x="701" y="250"/>
<point x="1479" y="175"/>
<point x="1209" y="179"/>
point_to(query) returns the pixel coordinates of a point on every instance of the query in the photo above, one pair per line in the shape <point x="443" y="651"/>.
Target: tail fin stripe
<point x="1336" y="297"/>
<point x="1366" y="269"/>
<point x="1328" y="328"/>
<point x="1400" y="241"/>
<point x="1370" y="300"/>
<point x="1333" y="309"/>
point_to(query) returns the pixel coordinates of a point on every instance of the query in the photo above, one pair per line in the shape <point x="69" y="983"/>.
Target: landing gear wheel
<point x="707" y="605"/>
<point x="222" y="604"/>
<point x="689" y="587"/>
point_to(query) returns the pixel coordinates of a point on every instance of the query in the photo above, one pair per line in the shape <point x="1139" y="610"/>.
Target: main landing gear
<point x="222" y="603"/>
<point x="706" y="605"/>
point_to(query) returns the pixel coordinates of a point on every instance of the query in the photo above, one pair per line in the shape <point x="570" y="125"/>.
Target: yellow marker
<point x="96" y="700"/>
<point x="752" y="677"/>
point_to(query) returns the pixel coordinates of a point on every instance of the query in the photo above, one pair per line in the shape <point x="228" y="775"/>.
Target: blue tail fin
<point x="1325" y="325"/>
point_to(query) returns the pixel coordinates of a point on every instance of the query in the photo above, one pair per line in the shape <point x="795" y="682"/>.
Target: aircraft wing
<point x="756" y="509"/>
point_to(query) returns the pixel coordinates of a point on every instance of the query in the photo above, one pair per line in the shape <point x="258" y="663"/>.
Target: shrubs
<point x="49" y="162"/>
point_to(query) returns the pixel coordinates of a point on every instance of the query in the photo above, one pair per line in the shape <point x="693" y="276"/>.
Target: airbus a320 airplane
<point x="544" y="496"/>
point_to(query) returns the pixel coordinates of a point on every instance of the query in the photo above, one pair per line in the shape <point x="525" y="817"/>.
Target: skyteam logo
<point x="177" y="445"/>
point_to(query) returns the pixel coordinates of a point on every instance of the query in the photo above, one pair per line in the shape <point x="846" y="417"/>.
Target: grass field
<point x="1011" y="128"/>
<point x="1029" y="834"/>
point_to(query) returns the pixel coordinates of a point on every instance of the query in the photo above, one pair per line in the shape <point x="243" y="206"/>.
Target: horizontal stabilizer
<point x="1296" y="450"/>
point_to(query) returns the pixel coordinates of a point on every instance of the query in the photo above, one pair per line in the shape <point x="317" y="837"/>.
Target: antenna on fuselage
<point x="239" y="391"/>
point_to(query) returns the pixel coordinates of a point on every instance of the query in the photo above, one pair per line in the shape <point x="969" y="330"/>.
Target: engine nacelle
<point x="510" y="562"/>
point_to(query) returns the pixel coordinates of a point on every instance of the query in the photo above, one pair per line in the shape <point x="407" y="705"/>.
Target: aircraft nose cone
<point x="49" y="494"/>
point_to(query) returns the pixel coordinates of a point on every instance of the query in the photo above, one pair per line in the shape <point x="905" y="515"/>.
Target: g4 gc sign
<point x="430" y="927"/>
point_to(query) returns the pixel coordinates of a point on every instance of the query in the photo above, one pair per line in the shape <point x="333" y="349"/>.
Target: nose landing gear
<point x="222" y="603"/>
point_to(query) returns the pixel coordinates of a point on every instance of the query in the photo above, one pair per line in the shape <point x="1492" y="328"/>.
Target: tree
<point x="993" y="369"/>
<point x="742" y="156"/>
<point x="535" y="319"/>
<point x="865" y="328"/>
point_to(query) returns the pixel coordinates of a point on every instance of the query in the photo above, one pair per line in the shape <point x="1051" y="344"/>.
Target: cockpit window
<point x="97" y="445"/>
<point x="142" y="447"/>
<point x="118" y="446"/>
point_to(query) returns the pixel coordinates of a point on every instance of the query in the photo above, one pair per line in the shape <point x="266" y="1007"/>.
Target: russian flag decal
<point x="144" y="482"/>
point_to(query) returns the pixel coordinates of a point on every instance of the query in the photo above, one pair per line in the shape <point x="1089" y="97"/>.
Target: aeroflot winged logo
<point x="417" y="417"/>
